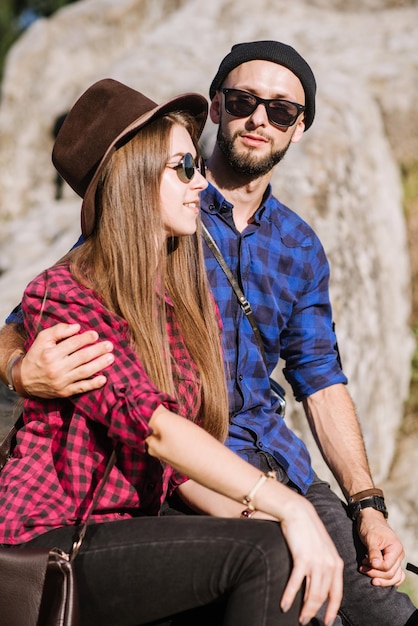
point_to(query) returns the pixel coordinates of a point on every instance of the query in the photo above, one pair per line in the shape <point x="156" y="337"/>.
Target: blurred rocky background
<point x="354" y="177"/>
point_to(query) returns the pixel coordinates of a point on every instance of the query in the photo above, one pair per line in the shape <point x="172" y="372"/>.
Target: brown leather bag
<point x="37" y="585"/>
<point x="37" y="588"/>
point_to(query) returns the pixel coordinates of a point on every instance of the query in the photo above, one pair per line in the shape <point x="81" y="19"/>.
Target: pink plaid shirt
<point x="64" y="445"/>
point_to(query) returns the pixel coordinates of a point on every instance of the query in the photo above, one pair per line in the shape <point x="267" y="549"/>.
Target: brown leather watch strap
<point x="361" y="495"/>
<point x="15" y="378"/>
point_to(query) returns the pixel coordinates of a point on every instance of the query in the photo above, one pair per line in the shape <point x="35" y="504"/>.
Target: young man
<point x="263" y="99"/>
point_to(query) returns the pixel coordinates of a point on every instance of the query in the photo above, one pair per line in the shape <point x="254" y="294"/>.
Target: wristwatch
<point x="375" y="502"/>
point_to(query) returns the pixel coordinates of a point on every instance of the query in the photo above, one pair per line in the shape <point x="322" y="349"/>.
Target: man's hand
<point x="334" y="423"/>
<point x="384" y="550"/>
<point x="61" y="362"/>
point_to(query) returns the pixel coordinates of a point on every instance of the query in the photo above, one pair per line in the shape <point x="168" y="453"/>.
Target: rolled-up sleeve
<point x="308" y="342"/>
<point x="127" y="401"/>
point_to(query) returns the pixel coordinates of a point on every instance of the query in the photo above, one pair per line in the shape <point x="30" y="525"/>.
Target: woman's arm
<point x="192" y="451"/>
<point x="126" y="402"/>
<point x="208" y="502"/>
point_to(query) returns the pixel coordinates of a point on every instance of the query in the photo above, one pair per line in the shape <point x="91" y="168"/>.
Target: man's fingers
<point x="66" y="339"/>
<point x="60" y="331"/>
<point x="384" y="567"/>
<point x="79" y="351"/>
<point x="385" y="578"/>
<point x="69" y="345"/>
<point x="82" y="386"/>
<point x="375" y="558"/>
<point x="395" y="581"/>
<point x="77" y="357"/>
<point x="80" y="371"/>
<point x="62" y="362"/>
<point x="90" y="367"/>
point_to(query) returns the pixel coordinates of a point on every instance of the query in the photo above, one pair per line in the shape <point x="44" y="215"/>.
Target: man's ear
<point x="215" y="109"/>
<point x="299" y="130"/>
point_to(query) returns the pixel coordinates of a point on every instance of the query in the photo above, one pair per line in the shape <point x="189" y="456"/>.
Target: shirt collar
<point x="212" y="201"/>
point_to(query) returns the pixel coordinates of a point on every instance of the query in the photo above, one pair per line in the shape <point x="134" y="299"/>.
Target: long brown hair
<point x="122" y="262"/>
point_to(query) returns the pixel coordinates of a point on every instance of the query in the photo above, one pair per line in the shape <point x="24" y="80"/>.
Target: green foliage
<point x="410" y="188"/>
<point x="410" y="589"/>
<point x="8" y="29"/>
<point x="410" y="424"/>
<point x="15" y="16"/>
<point x="410" y="185"/>
<point x="41" y="7"/>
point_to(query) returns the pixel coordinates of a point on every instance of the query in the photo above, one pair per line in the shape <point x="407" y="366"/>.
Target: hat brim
<point x="192" y="103"/>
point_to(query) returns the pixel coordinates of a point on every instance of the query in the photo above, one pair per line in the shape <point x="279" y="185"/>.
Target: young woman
<point x="139" y="280"/>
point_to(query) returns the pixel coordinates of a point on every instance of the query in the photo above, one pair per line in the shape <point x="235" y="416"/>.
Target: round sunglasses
<point x="187" y="166"/>
<point x="243" y="104"/>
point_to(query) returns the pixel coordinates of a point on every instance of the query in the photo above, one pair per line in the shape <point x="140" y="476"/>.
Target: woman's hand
<point x="315" y="560"/>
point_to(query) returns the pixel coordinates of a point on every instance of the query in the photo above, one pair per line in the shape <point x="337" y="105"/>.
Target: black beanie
<point x="276" y="52"/>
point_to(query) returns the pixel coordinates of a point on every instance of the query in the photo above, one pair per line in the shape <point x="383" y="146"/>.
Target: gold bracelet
<point x="247" y="500"/>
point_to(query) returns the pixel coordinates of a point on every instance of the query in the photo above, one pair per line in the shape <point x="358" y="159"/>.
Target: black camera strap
<point x="246" y="307"/>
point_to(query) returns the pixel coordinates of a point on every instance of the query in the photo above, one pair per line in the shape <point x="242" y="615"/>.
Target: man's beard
<point x="248" y="164"/>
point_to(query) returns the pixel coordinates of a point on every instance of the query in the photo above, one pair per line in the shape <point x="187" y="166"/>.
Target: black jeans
<point x="146" y="569"/>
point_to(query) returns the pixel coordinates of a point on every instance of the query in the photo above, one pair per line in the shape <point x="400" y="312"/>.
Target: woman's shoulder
<point x="57" y="277"/>
<point x="58" y="284"/>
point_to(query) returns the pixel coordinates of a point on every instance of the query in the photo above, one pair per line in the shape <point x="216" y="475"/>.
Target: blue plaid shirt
<point x="284" y="273"/>
<point x="282" y="269"/>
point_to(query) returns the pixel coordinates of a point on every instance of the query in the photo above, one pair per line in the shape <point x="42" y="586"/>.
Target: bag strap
<point x="82" y="530"/>
<point x="8" y="443"/>
<point x="245" y="305"/>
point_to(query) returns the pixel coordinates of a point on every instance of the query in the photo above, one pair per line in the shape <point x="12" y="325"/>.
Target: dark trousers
<point x="150" y="569"/>
<point x="362" y="604"/>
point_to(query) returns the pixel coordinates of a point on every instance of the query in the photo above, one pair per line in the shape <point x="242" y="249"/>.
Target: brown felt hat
<point x="102" y="120"/>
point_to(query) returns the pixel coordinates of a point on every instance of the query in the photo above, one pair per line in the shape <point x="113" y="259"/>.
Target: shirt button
<point x="260" y="444"/>
<point x="240" y="377"/>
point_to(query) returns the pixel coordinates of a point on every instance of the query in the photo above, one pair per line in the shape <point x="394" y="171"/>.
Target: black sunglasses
<point x="243" y="104"/>
<point x="187" y="166"/>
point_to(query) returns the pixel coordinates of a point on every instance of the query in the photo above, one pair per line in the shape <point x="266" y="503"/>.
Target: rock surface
<point x="343" y="178"/>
